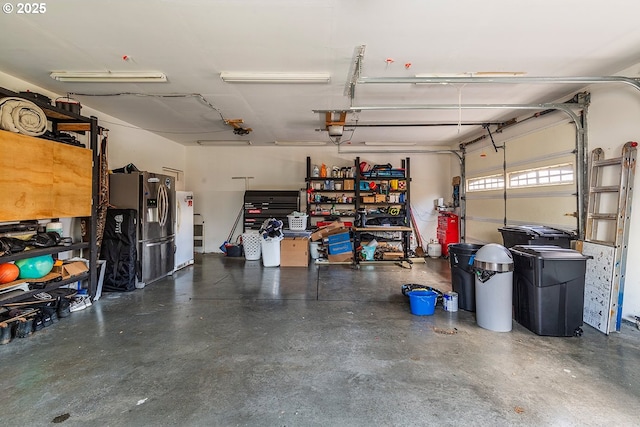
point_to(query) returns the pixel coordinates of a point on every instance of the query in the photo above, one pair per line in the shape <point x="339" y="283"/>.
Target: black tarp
<point x="119" y="245"/>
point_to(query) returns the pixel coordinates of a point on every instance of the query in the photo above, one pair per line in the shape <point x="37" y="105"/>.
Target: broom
<point x="419" y="249"/>
<point x="223" y="247"/>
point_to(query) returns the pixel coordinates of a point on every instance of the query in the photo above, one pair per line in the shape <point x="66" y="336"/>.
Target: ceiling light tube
<point x="389" y="144"/>
<point x="242" y="77"/>
<point x="109" y="77"/>
<point x="300" y="143"/>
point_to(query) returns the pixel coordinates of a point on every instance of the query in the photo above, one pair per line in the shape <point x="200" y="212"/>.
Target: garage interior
<point x="227" y="97"/>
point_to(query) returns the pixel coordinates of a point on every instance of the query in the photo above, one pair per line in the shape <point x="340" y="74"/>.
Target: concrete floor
<point x="228" y="342"/>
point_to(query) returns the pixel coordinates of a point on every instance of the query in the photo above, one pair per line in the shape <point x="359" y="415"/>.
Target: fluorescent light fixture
<point x="389" y="144"/>
<point x="242" y="77"/>
<point x="300" y="143"/>
<point x="109" y="76"/>
<point x="215" y="143"/>
<point x="475" y="74"/>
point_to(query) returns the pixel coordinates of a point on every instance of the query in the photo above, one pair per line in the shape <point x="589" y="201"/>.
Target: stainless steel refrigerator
<point x="154" y="197"/>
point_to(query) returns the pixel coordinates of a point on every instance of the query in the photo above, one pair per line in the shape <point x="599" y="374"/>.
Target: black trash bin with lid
<point x="513" y="235"/>
<point x="548" y="289"/>
<point x="461" y="257"/>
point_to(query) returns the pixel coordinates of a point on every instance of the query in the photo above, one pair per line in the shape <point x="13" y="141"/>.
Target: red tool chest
<point x="447" y="230"/>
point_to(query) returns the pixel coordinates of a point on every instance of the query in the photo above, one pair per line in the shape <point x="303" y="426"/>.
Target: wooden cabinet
<point x="43" y="179"/>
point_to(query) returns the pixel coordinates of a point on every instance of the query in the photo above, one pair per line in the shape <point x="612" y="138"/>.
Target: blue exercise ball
<point x="36" y="267"/>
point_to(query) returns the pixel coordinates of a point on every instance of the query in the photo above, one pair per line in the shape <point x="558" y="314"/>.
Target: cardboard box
<point x="341" y="248"/>
<point x="380" y="198"/>
<point x="294" y="252"/>
<point x="392" y="255"/>
<point x="338" y="238"/>
<point x="368" y="199"/>
<point x="344" y="257"/>
<point x="348" y="184"/>
<point x="71" y="269"/>
<point x="333" y="228"/>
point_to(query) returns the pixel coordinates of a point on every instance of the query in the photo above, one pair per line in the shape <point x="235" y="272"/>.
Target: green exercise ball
<point x="36" y="267"/>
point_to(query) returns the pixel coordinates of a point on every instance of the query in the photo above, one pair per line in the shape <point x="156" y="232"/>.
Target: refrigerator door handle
<point x="159" y="242"/>
<point x="163" y="205"/>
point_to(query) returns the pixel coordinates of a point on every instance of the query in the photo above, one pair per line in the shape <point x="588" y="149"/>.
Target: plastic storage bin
<point x="252" y="246"/>
<point x="494" y="287"/>
<point x="297" y="222"/>
<point x="513" y="235"/>
<point x="548" y="289"/>
<point x="461" y="257"/>
<point x="270" y="251"/>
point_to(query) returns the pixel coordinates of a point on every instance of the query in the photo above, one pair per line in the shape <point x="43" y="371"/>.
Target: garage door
<point x="531" y="180"/>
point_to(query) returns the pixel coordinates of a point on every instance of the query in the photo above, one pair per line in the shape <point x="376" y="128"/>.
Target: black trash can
<point x="461" y="257"/>
<point x="548" y="289"/>
<point x="513" y="235"/>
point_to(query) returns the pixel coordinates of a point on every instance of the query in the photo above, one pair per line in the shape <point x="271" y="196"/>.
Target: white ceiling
<point x="192" y="41"/>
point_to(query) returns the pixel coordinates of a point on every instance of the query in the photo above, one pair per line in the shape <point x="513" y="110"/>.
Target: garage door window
<point x="550" y="175"/>
<point x="493" y="182"/>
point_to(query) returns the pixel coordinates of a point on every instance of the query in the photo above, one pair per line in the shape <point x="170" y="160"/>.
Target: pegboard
<point x="600" y="299"/>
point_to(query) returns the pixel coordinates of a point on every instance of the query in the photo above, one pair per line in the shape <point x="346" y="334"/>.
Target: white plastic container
<point x="313" y="250"/>
<point x="252" y="246"/>
<point x="55" y="226"/>
<point x="270" y="252"/>
<point x="434" y="249"/>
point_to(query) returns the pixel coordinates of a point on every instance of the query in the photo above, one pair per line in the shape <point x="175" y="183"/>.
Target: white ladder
<point x="607" y="235"/>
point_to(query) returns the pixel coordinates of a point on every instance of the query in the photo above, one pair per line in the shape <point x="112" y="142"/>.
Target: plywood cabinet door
<point x="42" y="179"/>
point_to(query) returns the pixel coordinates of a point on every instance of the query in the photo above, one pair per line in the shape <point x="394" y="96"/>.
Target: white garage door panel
<point x="550" y="211"/>
<point x="552" y="206"/>
<point x="483" y="232"/>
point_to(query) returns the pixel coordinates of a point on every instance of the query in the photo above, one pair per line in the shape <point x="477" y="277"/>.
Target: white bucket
<point x="313" y="250"/>
<point x="55" y="226"/>
<point x="270" y="252"/>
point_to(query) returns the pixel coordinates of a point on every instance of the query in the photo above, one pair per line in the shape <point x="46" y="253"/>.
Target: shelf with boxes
<point x="382" y="194"/>
<point x="330" y="197"/>
<point x="48" y="175"/>
<point x="383" y="209"/>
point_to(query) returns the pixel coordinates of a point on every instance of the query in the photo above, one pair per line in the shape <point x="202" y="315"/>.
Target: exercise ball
<point x="36" y="267"/>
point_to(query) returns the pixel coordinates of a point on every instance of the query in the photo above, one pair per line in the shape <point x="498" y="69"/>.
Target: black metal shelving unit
<point x="389" y="222"/>
<point x="66" y="121"/>
<point x="316" y="186"/>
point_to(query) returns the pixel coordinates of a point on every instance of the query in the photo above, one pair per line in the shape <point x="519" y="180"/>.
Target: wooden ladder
<point x="607" y="235"/>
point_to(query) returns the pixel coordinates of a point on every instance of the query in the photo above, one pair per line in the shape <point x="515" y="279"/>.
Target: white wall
<point x="614" y="119"/>
<point x="219" y="198"/>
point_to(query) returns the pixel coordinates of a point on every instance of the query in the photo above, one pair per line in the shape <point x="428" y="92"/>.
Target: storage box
<point x="323" y="232"/>
<point x="380" y="198"/>
<point x="392" y="255"/>
<point x="338" y="238"/>
<point x="340" y="248"/>
<point x="294" y="252"/>
<point x="343" y="257"/>
<point x="348" y="184"/>
<point x="368" y="199"/>
<point x="71" y="269"/>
